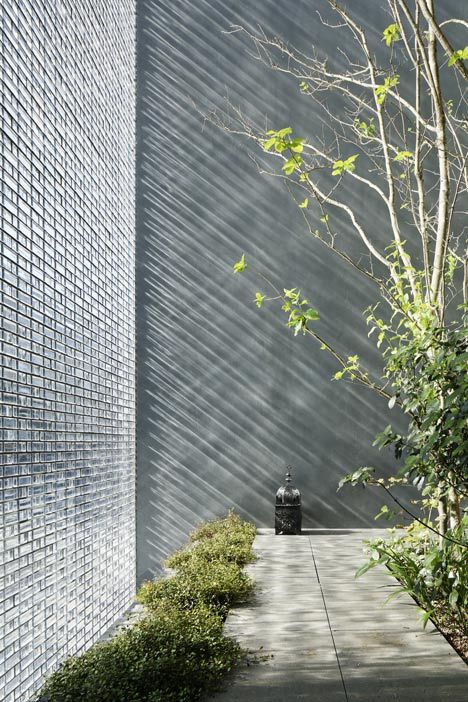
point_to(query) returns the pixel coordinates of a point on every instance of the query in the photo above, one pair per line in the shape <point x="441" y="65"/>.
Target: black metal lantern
<point x="288" y="515"/>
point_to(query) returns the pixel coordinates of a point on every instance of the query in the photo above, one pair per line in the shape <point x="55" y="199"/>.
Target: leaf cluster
<point x="345" y="165"/>
<point x="299" y="314"/>
<point x="381" y="91"/>
<point x="281" y="141"/>
<point x="429" y="376"/>
<point x="391" y="34"/>
<point x="367" y="129"/>
<point x="426" y="370"/>
<point x="460" y="55"/>
<point x="437" y="578"/>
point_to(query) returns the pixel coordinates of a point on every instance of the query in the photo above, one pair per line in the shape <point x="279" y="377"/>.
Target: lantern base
<point x="288" y="521"/>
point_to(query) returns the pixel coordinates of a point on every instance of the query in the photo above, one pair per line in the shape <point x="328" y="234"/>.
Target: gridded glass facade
<point x="67" y="330"/>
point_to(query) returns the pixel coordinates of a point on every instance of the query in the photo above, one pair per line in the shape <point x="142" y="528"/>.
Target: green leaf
<point x="280" y="146"/>
<point x="403" y="155"/>
<point x="382" y="90"/>
<point x="425" y="616"/>
<point x="269" y="143"/>
<point x="324" y="218"/>
<point x="337" y="168"/>
<point x="460" y="55"/>
<point x="303" y="86"/>
<point x="296" y="145"/>
<point x="292" y="164"/>
<point x="259" y="299"/>
<point x="384" y="511"/>
<point x="391" y="33"/>
<point x="304" y="203"/>
<point x="364" y="568"/>
<point x="311" y="315"/>
<point x="291" y="294"/>
<point x="341" y="166"/>
<point x="239" y="267"/>
<point x="366" y="128"/>
<point x="395" y="593"/>
<point x="451" y="266"/>
<point x="361" y="475"/>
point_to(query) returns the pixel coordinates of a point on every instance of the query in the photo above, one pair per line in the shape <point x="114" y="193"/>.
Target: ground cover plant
<point x="436" y="577"/>
<point x="390" y="117"/>
<point x="177" y="652"/>
<point x="209" y="571"/>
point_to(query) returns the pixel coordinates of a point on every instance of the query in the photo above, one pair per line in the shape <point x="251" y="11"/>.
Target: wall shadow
<point x="226" y="395"/>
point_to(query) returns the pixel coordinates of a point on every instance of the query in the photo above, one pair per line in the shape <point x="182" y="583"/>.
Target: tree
<point x="399" y="128"/>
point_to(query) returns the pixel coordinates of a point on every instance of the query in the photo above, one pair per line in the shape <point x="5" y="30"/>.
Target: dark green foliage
<point x="177" y="652"/>
<point x="437" y="577"/>
<point x="427" y="372"/>
<point x="170" y="656"/>
<point x="425" y="368"/>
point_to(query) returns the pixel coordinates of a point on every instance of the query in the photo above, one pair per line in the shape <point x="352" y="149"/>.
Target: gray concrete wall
<point x="227" y="396"/>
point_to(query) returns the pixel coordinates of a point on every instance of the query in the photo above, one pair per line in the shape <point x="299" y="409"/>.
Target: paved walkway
<point x="329" y="636"/>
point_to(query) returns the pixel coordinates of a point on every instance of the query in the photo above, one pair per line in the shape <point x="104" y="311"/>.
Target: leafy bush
<point x="436" y="577"/>
<point x="169" y="656"/>
<point x="219" y="585"/>
<point x="177" y="652"/>
<point x="231" y="526"/>
<point x="209" y="570"/>
<point x="228" y="539"/>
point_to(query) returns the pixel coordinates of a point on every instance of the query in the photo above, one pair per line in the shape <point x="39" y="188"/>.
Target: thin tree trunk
<point x="454" y="509"/>
<point x="443" y="517"/>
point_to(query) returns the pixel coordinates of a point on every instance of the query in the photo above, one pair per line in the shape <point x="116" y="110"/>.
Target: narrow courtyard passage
<point x="323" y="636"/>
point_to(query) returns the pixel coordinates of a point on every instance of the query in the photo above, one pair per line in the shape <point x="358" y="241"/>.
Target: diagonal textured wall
<point x="67" y="330"/>
<point x="226" y="395"/>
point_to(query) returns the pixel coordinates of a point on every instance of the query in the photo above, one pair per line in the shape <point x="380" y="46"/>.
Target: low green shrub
<point x="231" y="525"/>
<point x="218" y="584"/>
<point x="169" y="656"/>
<point x="177" y="652"/>
<point x="235" y="547"/>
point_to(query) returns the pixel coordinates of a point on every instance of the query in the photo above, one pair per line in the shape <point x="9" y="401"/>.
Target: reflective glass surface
<point x="67" y="330"/>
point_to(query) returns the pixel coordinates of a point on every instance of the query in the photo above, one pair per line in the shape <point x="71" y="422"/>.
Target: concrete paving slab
<point x="323" y="636"/>
<point x="400" y="666"/>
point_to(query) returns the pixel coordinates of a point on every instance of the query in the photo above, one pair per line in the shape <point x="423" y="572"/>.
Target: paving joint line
<point x="328" y="620"/>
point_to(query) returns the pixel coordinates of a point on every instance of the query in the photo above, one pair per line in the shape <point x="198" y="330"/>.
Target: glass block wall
<point x="67" y="330"/>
